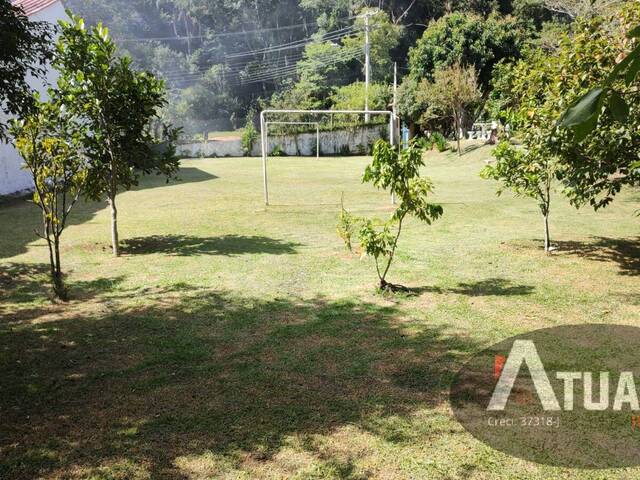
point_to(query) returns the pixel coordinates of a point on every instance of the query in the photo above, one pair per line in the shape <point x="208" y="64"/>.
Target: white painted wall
<point x="13" y="178"/>
<point x="331" y="143"/>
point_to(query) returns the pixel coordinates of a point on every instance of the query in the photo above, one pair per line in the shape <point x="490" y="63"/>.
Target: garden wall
<point x="338" y="142"/>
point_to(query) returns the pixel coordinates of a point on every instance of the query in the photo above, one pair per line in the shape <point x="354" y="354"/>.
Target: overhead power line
<point x="223" y="34"/>
<point x="333" y="35"/>
<point x="293" y="71"/>
<point x="264" y="74"/>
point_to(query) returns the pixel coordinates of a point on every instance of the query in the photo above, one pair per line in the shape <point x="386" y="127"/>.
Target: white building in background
<point x="13" y="179"/>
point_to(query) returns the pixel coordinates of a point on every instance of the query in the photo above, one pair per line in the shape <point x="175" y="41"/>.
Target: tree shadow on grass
<point x="625" y="252"/>
<point x="185" y="175"/>
<point x="30" y="282"/>
<point x="207" y="373"/>
<point x="19" y="217"/>
<point x="481" y="288"/>
<point x="187" y="245"/>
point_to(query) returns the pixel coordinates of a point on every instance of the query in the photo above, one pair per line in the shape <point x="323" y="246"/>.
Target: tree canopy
<point x="26" y="49"/>
<point x="118" y="105"/>
<point x="469" y="40"/>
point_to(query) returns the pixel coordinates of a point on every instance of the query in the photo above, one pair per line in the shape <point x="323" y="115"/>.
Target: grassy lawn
<point x="237" y="341"/>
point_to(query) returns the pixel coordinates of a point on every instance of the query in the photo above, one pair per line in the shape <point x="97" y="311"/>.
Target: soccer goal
<point x="264" y="122"/>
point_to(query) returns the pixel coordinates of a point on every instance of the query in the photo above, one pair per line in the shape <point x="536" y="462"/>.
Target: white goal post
<point x="264" y="125"/>
<point x="317" y="124"/>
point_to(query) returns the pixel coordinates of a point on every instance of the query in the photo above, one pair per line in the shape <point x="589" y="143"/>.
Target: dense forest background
<point x="223" y="59"/>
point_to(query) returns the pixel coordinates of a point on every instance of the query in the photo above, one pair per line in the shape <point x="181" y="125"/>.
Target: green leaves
<point x="25" y="49"/>
<point x="618" y="106"/>
<point x="634" y="32"/>
<point x="377" y="241"/>
<point x="119" y="106"/>
<point x="584" y="109"/>
<point x="583" y="115"/>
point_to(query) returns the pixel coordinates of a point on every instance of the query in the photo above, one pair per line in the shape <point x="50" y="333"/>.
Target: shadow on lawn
<point x="185" y="175"/>
<point x="229" y="245"/>
<point x="28" y="282"/>
<point x="625" y="252"/>
<point x="481" y="288"/>
<point x="23" y="217"/>
<point x="198" y="373"/>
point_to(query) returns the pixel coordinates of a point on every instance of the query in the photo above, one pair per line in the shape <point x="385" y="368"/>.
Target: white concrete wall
<point x="13" y="178"/>
<point x="331" y="143"/>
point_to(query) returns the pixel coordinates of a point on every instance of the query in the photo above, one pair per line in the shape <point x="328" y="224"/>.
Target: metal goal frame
<point x="264" y="126"/>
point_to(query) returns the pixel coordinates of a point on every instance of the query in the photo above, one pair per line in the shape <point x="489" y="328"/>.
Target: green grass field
<point x="232" y="340"/>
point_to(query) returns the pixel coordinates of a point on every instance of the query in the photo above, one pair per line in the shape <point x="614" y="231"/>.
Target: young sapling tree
<point x="49" y="140"/>
<point x="528" y="173"/>
<point x="398" y="172"/>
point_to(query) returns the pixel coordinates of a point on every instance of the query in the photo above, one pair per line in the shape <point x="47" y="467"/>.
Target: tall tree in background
<point x="467" y="39"/>
<point x="575" y="9"/>
<point x="118" y="106"/>
<point x="24" y="50"/>
<point x="454" y="90"/>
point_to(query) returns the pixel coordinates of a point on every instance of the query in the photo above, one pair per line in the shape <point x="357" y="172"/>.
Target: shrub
<point x="277" y="152"/>
<point x="249" y="136"/>
<point x="440" y="141"/>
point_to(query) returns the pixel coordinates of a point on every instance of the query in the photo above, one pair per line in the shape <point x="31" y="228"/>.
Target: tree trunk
<point x="58" y="282"/>
<point x="547" y="210"/>
<point x="547" y="240"/>
<point x="114" y="225"/>
<point x="413" y="129"/>
<point x="383" y="277"/>
<point x="457" y="127"/>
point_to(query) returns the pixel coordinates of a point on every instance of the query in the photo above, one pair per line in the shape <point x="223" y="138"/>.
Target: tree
<point x="208" y="104"/>
<point x="585" y="116"/>
<point x="600" y="155"/>
<point x="25" y="51"/>
<point x="528" y="173"/>
<point x="575" y="9"/>
<point x="49" y="140"/>
<point x="469" y="40"/>
<point x="411" y="105"/>
<point x="454" y="89"/>
<point x="351" y="97"/>
<point x="397" y="171"/>
<point x="529" y="88"/>
<point x="601" y="152"/>
<point x="118" y="106"/>
<point x="249" y="135"/>
<point x="323" y="67"/>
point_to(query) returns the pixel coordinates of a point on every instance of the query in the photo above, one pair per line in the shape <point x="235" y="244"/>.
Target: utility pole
<point x="395" y="101"/>
<point x="367" y="63"/>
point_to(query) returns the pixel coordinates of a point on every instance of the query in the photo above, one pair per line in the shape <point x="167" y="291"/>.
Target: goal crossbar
<point x="263" y="132"/>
